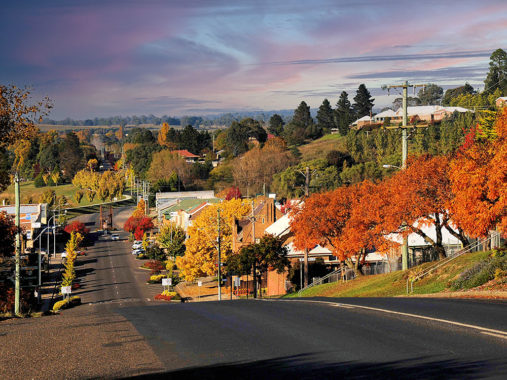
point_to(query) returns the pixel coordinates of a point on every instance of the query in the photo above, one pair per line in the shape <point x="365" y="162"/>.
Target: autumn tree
<point x="162" y="136"/>
<point x="478" y="182"/>
<point x="200" y="257"/>
<point x="233" y="193"/>
<point x="172" y="237"/>
<point x="165" y="163"/>
<point x="77" y="226"/>
<point x="138" y="226"/>
<point x="418" y="197"/>
<point x="255" y="169"/>
<point x="7" y="235"/>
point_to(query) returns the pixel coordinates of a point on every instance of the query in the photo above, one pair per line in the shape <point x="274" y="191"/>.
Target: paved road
<point x="119" y="333"/>
<point x="301" y="339"/>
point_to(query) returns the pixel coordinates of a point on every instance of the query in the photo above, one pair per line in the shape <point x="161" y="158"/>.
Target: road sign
<point x="309" y="259"/>
<point x="167" y="281"/>
<point x="66" y="289"/>
<point x="199" y="283"/>
<point x="237" y="281"/>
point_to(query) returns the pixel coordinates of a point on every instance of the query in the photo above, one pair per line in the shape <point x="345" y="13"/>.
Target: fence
<point x="334" y="276"/>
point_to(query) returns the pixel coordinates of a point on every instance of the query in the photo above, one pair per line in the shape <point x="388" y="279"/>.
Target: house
<point x="183" y="211"/>
<point x="428" y="114"/>
<point x="189" y="157"/>
<point x="501" y="101"/>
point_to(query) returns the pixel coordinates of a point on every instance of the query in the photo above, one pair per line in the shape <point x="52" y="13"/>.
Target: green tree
<point x="452" y="93"/>
<point x="497" y="75"/>
<point x="325" y="117"/>
<point x="363" y="102"/>
<point x="411" y="102"/>
<point x="71" y="155"/>
<point x="430" y="94"/>
<point x="343" y="114"/>
<point x="172" y="238"/>
<point x="268" y="253"/>
<point x="276" y="124"/>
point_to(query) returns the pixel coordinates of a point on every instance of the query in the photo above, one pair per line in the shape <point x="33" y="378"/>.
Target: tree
<point x="138" y="226"/>
<point x="497" y="75"/>
<point x="343" y="114"/>
<point x="76" y="226"/>
<point x="325" y="117"/>
<point x="452" y="93"/>
<point x="418" y="197"/>
<point x="7" y="235"/>
<point x="48" y="196"/>
<point x="255" y="169"/>
<point x="276" y="124"/>
<point x="17" y="117"/>
<point x="162" y="137"/>
<point x="164" y="164"/>
<point x="268" y="253"/>
<point x="363" y="102"/>
<point x="411" y="102"/>
<point x="71" y="155"/>
<point x="430" y="94"/>
<point x="477" y="177"/>
<point x="172" y="238"/>
<point x="201" y="251"/>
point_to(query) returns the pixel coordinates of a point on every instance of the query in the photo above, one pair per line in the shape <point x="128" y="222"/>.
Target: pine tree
<point x="497" y="75"/>
<point x="363" y="102"/>
<point x="276" y="125"/>
<point x="325" y="116"/>
<point x="343" y="114"/>
<point x="302" y="117"/>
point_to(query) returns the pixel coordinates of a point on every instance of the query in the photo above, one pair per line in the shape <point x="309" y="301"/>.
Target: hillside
<point x="440" y="281"/>
<point x="321" y="147"/>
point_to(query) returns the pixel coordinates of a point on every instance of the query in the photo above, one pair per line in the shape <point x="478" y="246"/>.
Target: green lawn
<point x="394" y="284"/>
<point x="321" y="147"/>
<point x="31" y="194"/>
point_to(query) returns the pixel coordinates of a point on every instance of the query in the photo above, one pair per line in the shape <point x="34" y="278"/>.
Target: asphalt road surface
<point x="304" y="339"/>
<point x="120" y="332"/>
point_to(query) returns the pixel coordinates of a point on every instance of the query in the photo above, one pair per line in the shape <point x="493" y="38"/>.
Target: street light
<point x="391" y="167"/>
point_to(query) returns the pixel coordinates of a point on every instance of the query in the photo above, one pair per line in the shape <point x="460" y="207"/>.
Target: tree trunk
<point x="255" y="281"/>
<point x="358" y="267"/>
<point x="439" y="248"/>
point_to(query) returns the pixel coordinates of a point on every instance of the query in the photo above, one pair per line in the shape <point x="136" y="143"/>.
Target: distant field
<point x="49" y="127"/>
<point x="31" y="193"/>
<point x="321" y="147"/>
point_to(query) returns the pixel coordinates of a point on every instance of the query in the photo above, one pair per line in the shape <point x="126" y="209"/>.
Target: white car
<point x="115" y="237"/>
<point x="137" y="246"/>
<point x="137" y="251"/>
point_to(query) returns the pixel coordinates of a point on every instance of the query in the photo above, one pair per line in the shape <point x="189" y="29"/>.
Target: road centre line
<point x="484" y="330"/>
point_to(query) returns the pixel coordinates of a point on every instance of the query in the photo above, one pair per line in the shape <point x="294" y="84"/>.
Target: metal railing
<point x="328" y="278"/>
<point x="469" y="248"/>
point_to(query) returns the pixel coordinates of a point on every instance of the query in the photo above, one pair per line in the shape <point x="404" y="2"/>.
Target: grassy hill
<point x="472" y="267"/>
<point x="321" y="147"/>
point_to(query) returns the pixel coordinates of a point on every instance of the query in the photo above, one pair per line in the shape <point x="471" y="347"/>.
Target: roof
<point x="185" y="153"/>
<point x="364" y="118"/>
<point x="386" y="113"/>
<point x="280" y="227"/>
<point x="415" y="240"/>
<point x="502" y="98"/>
<point x="428" y="110"/>
<point x="188" y="205"/>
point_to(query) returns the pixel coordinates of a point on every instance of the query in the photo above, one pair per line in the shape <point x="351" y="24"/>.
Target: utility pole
<point x="17" y="309"/>
<point x="219" y="259"/>
<point x="404" y="154"/>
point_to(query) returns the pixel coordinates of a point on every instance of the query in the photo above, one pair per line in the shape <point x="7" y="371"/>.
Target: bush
<point x="482" y="272"/>
<point x="155" y="266"/>
<point x="63" y="304"/>
<point x="39" y="181"/>
<point x="156" y="279"/>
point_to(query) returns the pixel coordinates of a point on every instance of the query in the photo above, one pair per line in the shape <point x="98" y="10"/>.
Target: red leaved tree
<point x="478" y="177"/>
<point x="7" y="235"/>
<point x="138" y="226"/>
<point x="76" y="226"/>
<point x="233" y="193"/>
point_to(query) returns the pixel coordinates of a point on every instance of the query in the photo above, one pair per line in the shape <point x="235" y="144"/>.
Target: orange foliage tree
<point x="478" y="179"/>
<point x="325" y="219"/>
<point x="418" y="197"/>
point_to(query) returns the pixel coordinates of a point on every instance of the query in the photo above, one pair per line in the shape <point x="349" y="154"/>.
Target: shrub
<point x="155" y="279"/>
<point x="155" y="266"/>
<point x="63" y="304"/>
<point x="481" y="273"/>
<point x="39" y="181"/>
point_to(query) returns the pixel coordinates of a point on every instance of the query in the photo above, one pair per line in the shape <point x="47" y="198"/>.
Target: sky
<point x="98" y="58"/>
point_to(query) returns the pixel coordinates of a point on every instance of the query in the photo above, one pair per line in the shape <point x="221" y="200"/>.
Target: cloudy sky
<point x="124" y="57"/>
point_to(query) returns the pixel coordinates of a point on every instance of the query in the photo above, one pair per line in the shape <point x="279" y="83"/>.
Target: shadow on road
<point x="306" y="366"/>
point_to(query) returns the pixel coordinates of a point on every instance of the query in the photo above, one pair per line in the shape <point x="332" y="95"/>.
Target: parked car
<point x="137" y="246"/>
<point x="115" y="237"/>
<point x="137" y="251"/>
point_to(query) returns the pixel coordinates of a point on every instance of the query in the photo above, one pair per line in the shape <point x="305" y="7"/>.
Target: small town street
<point x="119" y="331"/>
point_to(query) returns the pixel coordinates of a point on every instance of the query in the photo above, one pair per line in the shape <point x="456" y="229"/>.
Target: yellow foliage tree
<point x="200" y="257"/>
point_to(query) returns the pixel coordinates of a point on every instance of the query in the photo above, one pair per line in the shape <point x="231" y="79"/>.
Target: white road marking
<point x="484" y="330"/>
<point x="495" y="335"/>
